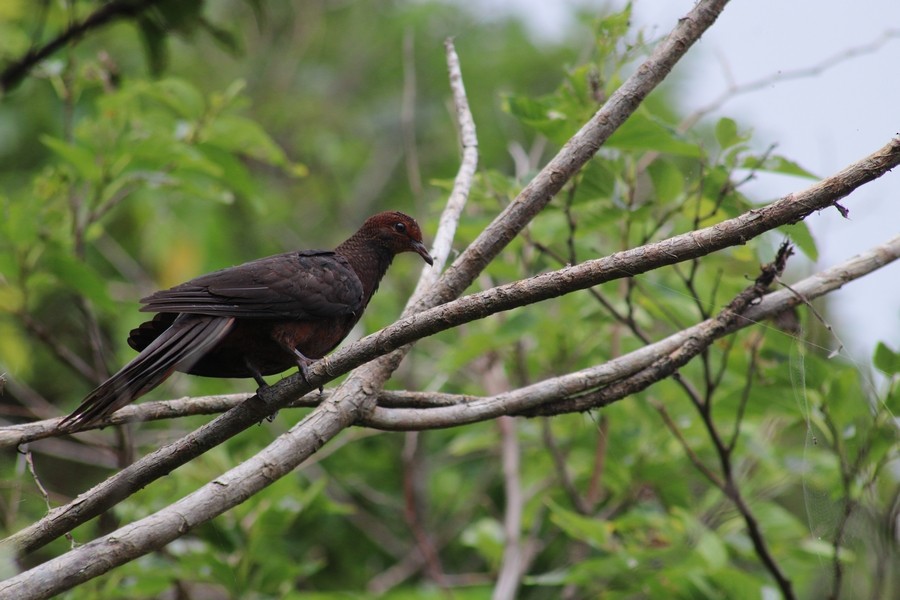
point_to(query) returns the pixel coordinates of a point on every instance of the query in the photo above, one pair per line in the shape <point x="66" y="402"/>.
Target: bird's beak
<point x="419" y="248"/>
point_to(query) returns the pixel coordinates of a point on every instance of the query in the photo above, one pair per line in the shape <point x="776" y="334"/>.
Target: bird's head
<point x="397" y="232"/>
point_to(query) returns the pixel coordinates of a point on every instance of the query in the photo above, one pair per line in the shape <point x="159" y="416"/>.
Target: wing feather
<point x="294" y="285"/>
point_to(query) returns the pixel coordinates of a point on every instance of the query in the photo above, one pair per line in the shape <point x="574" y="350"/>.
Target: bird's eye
<point x="400" y="227"/>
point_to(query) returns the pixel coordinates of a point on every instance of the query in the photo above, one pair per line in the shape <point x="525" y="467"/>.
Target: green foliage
<point x="130" y="181"/>
<point x="887" y="359"/>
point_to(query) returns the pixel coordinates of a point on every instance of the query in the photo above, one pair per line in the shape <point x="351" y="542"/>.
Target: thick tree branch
<point x="580" y="148"/>
<point x="420" y="408"/>
<point x="631" y="372"/>
<point x="538" y="193"/>
<point x="14" y="73"/>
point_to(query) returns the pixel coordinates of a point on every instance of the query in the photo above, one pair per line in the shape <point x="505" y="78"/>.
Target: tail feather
<point x="182" y="344"/>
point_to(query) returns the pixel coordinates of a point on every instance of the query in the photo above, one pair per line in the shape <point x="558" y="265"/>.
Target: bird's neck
<point x="369" y="259"/>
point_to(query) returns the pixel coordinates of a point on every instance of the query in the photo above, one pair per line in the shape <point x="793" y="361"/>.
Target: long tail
<point x="178" y="347"/>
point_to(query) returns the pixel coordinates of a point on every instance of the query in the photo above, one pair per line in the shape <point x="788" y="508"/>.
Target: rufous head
<point x="399" y="232"/>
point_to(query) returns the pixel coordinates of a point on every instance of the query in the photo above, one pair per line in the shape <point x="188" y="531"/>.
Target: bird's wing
<point x="295" y="285"/>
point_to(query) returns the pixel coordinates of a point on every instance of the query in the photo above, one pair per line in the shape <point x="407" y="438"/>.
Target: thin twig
<point x="414" y="510"/>
<point x="29" y="462"/>
<point x="408" y="117"/>
<point x="821" y="319"/>
<point x="512" y="565"/>
<point x="106" y="14"/>
<point x="562" y="471"/>
<point x="685" y="446"/>
<point x="755" y="345"/>
<point x="61" y="351"/>
<point x="738" y="89"/>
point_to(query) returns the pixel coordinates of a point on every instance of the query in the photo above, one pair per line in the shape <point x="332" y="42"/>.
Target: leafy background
<point x="203" y="136"/>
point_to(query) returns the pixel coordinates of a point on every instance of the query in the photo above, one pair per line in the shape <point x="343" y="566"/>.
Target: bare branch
<point x="580" y="148"/>
<point x="570" y="386"/>
<point x="738" y="89"/>
<point x="61" y="351"/>
<point x="414" y="509"/>
<point x="13" y="74"/>
<point x="15" y="435"/>
<point x="685" y="446"/>
<point x="443" y="239"/>
<point x="512" y="565"/>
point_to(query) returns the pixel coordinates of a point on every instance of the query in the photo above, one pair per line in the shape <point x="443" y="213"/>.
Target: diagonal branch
<point x="357" y="393"/>
<point x="14" y="73"/>
<point x="617" y="378"/>
<point x="737" y="89"/>
<point x="580" y="148"/>
<point x="407" y="410"/>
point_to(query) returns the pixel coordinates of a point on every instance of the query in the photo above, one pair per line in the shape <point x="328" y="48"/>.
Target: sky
<point x="824" y="122"/>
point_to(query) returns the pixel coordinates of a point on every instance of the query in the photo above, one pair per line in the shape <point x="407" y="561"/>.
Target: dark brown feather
<point x="258" y="318"/>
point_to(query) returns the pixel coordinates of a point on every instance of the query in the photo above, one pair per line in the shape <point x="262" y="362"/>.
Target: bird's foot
<point x="303" y="363"/>
<point x="264" y="393"/>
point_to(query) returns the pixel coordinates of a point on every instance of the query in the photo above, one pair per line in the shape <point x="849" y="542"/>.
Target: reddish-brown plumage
<point x="259" y="318"/>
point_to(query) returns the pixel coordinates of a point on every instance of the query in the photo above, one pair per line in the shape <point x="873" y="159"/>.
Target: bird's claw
<point x="303" y="364"/>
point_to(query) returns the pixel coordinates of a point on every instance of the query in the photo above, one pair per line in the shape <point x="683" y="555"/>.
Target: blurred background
<point x="200" y="135"/>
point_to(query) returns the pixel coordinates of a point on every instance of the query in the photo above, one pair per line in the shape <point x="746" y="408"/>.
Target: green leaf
<point x="82" y="159"/>
<point x="595" y="532"/>
<point x="78" y="276"/>
<point x="597" y="181"/>
<point x="886" y="359"/>
<point x="241" y="135"/>
<point x="232" y="172"/>
<point x="777" y="164"/>
<point x="668" y="180"/>
<point x="727" y="133"/>
<point x="19" y="224"/>
<point x="226" y="39"/>
<point x="486" y="536"/>
<point x="179" y="95"/>
<point x="737" y="584"/>
<point x="640" y="132"/>
<point x="542" y="115"/>
<point x="713" y="550"/>
<point x="610" y="30"/>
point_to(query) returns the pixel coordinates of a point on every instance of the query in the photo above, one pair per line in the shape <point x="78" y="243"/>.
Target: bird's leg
<point x="303" y="362"/>
<point x="255" y="373"/>
<point x="262" y="386"/>
<point x="289" y="344"/>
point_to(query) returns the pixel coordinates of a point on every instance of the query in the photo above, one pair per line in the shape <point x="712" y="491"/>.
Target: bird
<point x="258" y="318"/>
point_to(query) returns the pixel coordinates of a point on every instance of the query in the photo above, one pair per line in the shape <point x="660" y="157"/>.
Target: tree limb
<point x="566" y="393"/>
<point x="14" y="73"/>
